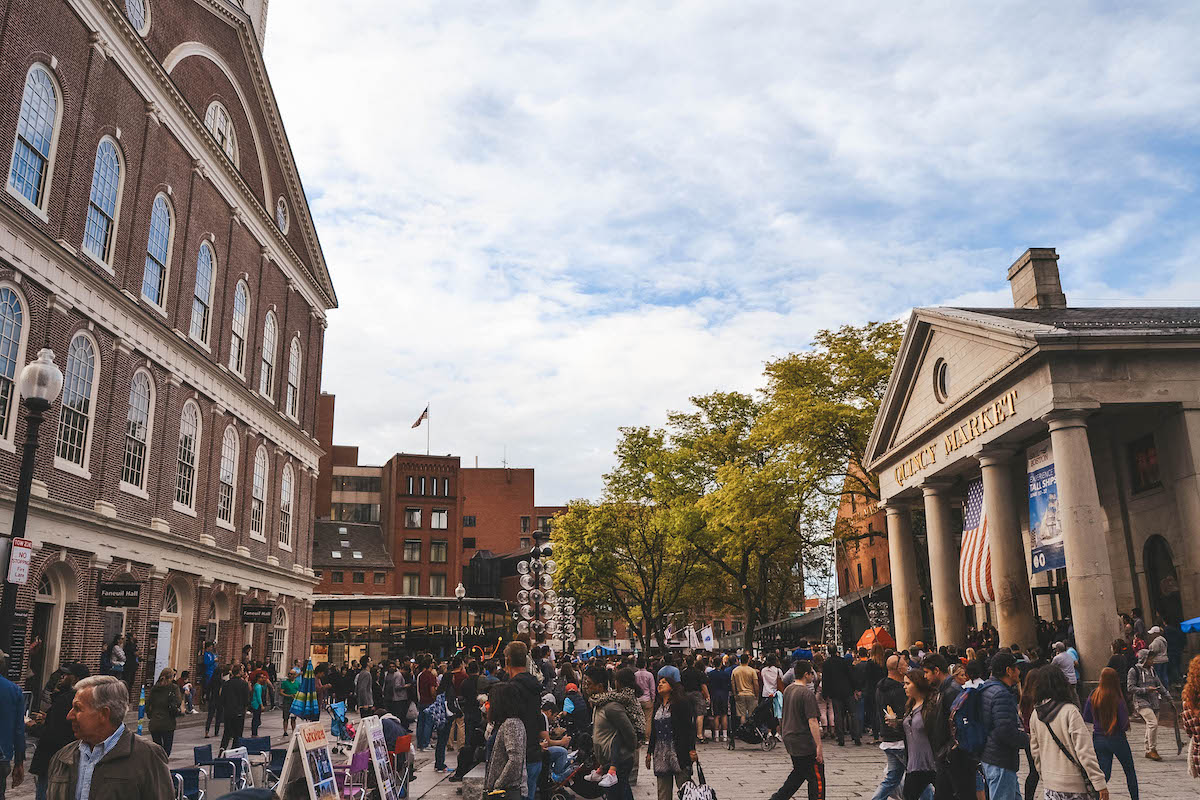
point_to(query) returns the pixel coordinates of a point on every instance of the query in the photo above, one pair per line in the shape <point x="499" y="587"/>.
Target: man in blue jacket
<point x="1002" y="721"/>
<point x="12" y="731"/>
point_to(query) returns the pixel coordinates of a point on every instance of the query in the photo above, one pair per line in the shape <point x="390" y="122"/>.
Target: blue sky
<point x="552" y="219"/>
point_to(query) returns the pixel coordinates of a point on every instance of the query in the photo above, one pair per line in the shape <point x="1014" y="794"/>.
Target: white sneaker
<point x="595" y="776"/>
<point x="609" y="779"/>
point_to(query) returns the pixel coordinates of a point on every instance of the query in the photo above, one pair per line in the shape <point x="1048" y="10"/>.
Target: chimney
<point x="1034" y="280"/>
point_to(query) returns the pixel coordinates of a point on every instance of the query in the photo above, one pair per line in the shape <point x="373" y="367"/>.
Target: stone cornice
<point x="70" y="282"/>
<point x="152" y="82"/>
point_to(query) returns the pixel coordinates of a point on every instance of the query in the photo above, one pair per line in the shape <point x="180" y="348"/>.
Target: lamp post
<point x="460" y="592"/>
<point x="563" y="621"/>
<point x="39" y="385"/>
<point x="537" y="595"/>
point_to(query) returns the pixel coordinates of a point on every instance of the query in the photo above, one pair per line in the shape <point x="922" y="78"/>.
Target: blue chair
<point x="202" y="754"/>
<point x="255" y="745"/>
<point x="187" y="783"/>
<point x="275" y="765"/>
<point x="228" y="768"/>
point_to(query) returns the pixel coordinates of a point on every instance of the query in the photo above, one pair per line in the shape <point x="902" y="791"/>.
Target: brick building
<point x="862" y="547"/>
<point x="155" y="235"/>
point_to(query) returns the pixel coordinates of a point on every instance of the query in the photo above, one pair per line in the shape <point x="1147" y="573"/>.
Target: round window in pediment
<point x="941" y="380"/>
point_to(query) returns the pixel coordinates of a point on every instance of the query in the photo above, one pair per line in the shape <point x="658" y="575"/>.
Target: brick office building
<point x="155" y="235"/>
<point x="862" y="548"/>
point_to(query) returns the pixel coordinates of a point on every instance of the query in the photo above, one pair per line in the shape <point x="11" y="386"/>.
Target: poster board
<point x="1045" y="525"/>
<point x="369" y="736"/>
<point x="309" y="758"/>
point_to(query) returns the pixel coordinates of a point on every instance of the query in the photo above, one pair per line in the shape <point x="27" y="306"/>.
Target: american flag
<point x="424" y="416"/>
<point x="975" y="569"/>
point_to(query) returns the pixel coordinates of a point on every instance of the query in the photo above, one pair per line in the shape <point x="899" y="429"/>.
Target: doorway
<point x="1162" y="582"/>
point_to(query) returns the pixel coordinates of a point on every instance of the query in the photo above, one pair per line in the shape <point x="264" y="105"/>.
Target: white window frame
<point x="433" y="519"/>
<point x="211" y="121"/>
<point x="206" y="333"/>
<point x="228" y="524"/>
<point x="8" y="440"/>
<point x="279" y="636"/>
<point x="61" y="463"/>
<point x="105" y="260"/>
<point x="292" y="399"/>
<point x="239" y="329"/>
<point x="161" y="305"/>
<point x="189" y="508"/>
<point x="258" y="495"/>
<point x="145" y="29"/>
<point x="404" y="584"/>
<point x="39" y="208"/>
<point x="281" y="210"/>
<point x="266" y="366"/>
<point x="287" y="496"/>
<point x="139" y="489"/>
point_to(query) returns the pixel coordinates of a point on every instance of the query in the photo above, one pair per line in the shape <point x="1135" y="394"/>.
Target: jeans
<point x="164" y="739"/>
<point x="858" y="707"/>
<point x="558" y="761"/>
<point x="5" y="769"/>
<point x="804" y="769"/>
<point x="896" y="761"/>
<point x="255" y="720"/>
<point x="621" y="790"/>
<point x="533" y="771"/>
<point x="1116" y="745"/>
<point x="1002" y="783"/>
<point x="439" y="750"/>
<point x="424" y="728"/>
<point x="41" y="787"/>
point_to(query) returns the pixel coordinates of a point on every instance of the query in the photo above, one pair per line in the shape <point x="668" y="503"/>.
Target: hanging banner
<point x="1045" y="526"/>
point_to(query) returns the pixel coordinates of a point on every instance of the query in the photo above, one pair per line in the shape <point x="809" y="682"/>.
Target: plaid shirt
<point x="1191" y="724"/>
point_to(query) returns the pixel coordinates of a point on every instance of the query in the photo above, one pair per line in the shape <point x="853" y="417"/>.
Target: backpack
<point x="966" y="721"/>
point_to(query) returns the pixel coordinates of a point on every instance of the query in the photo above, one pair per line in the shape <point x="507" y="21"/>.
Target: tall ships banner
<point x="1045" y="527"/>
<point x="975" y="569"/>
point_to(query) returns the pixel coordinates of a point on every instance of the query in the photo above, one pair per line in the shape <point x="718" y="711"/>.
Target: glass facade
<point x="383" y="627"/>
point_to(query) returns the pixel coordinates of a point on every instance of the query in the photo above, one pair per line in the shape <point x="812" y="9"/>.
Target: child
<point x="561" y="761"/>
<point x="257" y="695"/>
<point x="505" y="777"/>
<point x="185" y="685"/>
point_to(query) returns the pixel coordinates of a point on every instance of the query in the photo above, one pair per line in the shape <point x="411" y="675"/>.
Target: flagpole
<point x="428" y="425"/>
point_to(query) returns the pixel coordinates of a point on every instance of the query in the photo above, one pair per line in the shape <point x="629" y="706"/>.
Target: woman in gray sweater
<point x="505" y="776"/>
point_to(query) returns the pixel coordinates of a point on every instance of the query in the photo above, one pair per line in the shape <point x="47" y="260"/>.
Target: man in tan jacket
<point x="107" y="762"/>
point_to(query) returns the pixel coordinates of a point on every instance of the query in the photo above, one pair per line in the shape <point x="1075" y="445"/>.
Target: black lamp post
<point x="460" y="592"/>
<point x="39" y="385"/>
<point x="537" y="594"/>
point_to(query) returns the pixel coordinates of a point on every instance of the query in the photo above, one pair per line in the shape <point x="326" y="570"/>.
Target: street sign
<point x="19" y="561"/>
<point x="113" y="594"/>
<point x="257" y="613"/>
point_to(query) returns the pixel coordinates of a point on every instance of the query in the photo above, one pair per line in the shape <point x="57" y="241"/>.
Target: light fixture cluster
<point x="537" y="596"/>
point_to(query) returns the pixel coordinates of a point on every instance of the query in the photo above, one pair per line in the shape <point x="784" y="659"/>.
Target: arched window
<point x="281" y="214"/>
<point x="158" y="252"/>
<point x="202" y="296"/>
<point x="293" y="385"/>
<point x="98" y="232"/>
<point x="36" y="129"/>
<point x="258" y="494"/>
<point x="220" y="125"/>
<point x="266" y="372"/>
<point x="241" y="316"/>
<point x="279" y="632"/>
<point x="137" y="430"/>
<point x="170" y="600"/>
<point x="189" y="447"/>
<point x="138" y="12"/>
<point x="227" y="476"/>
<point x="12" y="341"/>
<point x="78" y="401"/>
<point x="285" y="507"/>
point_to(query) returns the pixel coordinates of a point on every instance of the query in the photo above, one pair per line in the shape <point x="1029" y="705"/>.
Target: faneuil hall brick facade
<point x="155" y="235"/>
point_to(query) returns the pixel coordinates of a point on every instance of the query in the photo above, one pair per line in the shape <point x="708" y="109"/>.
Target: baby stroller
<point x="340" y="727"/>
<point x="573" y="781"/>
<point x="757" y="729"/>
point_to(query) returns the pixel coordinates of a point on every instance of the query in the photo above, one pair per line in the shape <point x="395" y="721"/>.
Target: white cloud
<point x="551" y="219"/>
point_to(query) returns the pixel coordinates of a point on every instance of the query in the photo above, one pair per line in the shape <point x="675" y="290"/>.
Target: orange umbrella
<point x="875" y="636"/>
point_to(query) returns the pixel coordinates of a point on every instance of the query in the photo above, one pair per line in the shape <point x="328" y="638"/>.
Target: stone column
<point x="1010" y="574"/>
<point x="1085" y="541"/>
<point x="949" y="614"/>
<point x="906" y="590"/>
<point x="1184" y="460"/>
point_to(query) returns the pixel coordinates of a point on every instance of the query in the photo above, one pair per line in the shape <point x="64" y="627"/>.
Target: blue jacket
<point x="210" y="665"/>
<point x="12" y="713"/>
<point x="1002" y="721"/>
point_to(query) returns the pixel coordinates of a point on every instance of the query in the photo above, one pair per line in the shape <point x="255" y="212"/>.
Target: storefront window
<point x="341" y="625"/>
<point x="360" y="623"/>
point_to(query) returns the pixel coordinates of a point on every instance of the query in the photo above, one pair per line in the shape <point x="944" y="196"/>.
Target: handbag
<point x="1088" y="788"/>
<point x="697" y="791"/>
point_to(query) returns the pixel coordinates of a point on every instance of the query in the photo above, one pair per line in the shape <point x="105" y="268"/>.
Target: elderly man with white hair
<point x="107" y="762"/>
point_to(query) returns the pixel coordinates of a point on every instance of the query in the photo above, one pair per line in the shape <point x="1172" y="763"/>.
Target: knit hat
<point x="572" y="687"/>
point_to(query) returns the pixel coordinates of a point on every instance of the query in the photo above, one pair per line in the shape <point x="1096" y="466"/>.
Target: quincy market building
<point x="1089" y="417"/>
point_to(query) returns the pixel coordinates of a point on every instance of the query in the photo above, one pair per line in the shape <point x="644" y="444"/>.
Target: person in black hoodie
<point x="474" y="723"/>
<point x="837" y="686"/>
<point x="889" y="694"/>
<point x="57" y="732"/>
<point x="235" y="699"/>
<point x="867" y="674"/>
<point x="516" y="658"/>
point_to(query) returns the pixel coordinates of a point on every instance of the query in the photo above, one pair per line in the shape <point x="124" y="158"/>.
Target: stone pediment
<point x="947" y="355"/>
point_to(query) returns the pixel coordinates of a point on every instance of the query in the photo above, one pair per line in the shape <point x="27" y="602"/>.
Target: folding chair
<point x="352" y="777"/>
<point x="275" y="766"/>
<point x="187" y="783"/>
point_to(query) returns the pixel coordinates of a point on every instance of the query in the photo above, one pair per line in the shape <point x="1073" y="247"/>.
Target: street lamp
<point x="460" y="592"/>
<point x="537" y="595"/>
<point x="39" y="385"/>
<point x="563" y="621"/>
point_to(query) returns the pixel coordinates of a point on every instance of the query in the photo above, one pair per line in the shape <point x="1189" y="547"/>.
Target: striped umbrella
<point x="141" y="710"/>
<point x="305" y="705"/>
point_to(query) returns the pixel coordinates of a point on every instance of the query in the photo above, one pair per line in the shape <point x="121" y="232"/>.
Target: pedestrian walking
<point x="258" y="699"/>
<point x="744" y="681"/>
<point x="694" y="680"/>
<point x="163" y="705"/>
<point x="505" y="776"/>
<point x="921" y="710"/>
<point x="720" y="686"/>
<point x="1158" y="654"/>
<point x="1061" y="746"/>
<point x="801" y="729"/>
<point x="672" y="738"/>
<point x="287" y="693"/>
<point x="837" y="684"/>
<point x="772" y="683"/>
<point x="613" y="737"/>
<point x="516" y="658"/>
<point x="364" y="688"/>
<point x="427" y="682"/>
<point x="1191" y="715"/>
<point x="889" y="700"/>
<point x="1002" y="720"/>
<point x="1147" y="693"/>
<point x="1029" y="689"/>
<point x="216" y="713"/>
<point x="235" y="699"/>
<point x="1108" y="715"/>
<point x="1068" y="664"/>
<point x="446" y="701"/>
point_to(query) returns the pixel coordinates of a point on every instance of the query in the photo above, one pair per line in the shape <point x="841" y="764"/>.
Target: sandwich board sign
<point x="369" y="736"/>
<point x="310" y="761"/>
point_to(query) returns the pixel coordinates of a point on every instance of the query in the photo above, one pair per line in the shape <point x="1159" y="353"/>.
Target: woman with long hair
<point x="672" y="747"/>
<point x="1191" y="715"/>
<point x="1105" y="709"/>
<point x="1029" y="689"/>
<point x="163" y="705"/>
<point x="506" y="764"/>
<point x="1059" y="742"/>
<point x="920" y="713"/>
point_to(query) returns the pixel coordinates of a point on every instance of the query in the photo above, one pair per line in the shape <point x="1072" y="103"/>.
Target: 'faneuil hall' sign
<point x="970" y="430"/>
